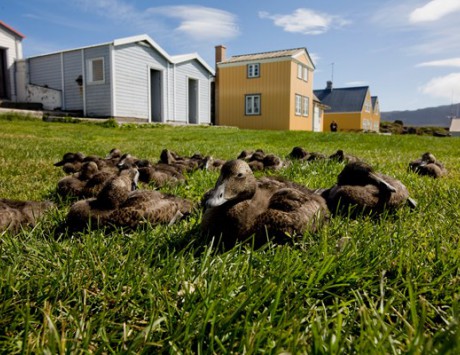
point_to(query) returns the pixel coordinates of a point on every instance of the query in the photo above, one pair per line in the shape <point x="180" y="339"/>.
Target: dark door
<point x="192" y="100"/>
<point x="155" y="96"/>
<point x="3" y="75"/>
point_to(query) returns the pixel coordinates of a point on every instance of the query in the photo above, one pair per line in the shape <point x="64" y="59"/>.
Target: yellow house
<point x="352" y="108"/>
<point x="270" y="90"/>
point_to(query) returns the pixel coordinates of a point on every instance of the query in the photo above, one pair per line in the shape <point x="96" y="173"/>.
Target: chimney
<point x="329" y="85"/>
<point x="221" y="51"/>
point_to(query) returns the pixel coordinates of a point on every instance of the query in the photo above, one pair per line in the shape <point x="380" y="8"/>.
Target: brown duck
<point x="241" y="205"/>
<point x="118" y="204"/>
<point x="71" y="162"/>
<point x="427" y="165"/>
<point x="15" y="215"/>
<point x="360" y="189"/>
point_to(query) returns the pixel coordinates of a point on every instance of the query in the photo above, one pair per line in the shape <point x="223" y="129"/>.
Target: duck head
<point x="70" y="158"/>
<point x="115" y="153"/>
<point x="361" y="174"/>
<point x="428" y="158"/>
<point x="236" y="183"/>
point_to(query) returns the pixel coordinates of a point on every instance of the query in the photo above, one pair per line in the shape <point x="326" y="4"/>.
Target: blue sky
<point x="407" y="51"/>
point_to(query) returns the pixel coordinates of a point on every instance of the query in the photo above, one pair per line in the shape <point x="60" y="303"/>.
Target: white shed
<point x="454" y="129"/>
<point x="10" y="51"/>
<point x="129" y="77"/>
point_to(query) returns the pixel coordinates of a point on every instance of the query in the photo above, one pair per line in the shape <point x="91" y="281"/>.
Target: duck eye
<point x="240" y="175"/>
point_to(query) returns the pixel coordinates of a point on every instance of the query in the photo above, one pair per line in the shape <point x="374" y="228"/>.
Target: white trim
<point x="167" y="74"/>
<point x="174" y="93"/>
<point x="151" y="67"/>
<point x="90" y="74"/>
<point x="245" y="62"/>
<point x="113" y="109"/>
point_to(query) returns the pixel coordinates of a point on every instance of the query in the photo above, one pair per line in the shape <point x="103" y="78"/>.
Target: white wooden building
<point x="129" y="77"/>
<point x="10" y="51"/>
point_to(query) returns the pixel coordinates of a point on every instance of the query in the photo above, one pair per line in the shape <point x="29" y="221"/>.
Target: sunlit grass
<point x="366" y="286"/>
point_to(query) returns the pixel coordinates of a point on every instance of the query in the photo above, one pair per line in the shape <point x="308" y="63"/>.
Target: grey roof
<point x="374" y="101"/>
<point x="343" y="99"/>
<point x="284" y="53"/>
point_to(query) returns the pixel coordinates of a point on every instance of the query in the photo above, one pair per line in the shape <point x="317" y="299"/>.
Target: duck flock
<point x="106" y="193"/>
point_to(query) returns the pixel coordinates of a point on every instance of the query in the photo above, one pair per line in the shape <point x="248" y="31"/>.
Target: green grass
<point x="363" y="286"/>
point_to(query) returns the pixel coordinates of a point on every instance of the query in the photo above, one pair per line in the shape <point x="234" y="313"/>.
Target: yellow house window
<point x="298" y="105"/>
<point x="305" y="105"/>
<point x="252" y="105"/>
<point x="253" y="70"/>
<point x="299" y="71"/>
<point x="302" y="72"/>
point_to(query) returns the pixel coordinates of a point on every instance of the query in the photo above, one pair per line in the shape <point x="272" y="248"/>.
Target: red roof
<point x="9" y="28"/>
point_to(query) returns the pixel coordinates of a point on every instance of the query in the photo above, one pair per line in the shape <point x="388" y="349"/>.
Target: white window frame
<point x="90" y="73"/>
<point x="250" y="107"/>
<point x="253" y="70"/>
<point x="305" y="74"/>
<point x="305" y="106"/>
<point x="299" y="71"/>
<point x="298" y="105"/>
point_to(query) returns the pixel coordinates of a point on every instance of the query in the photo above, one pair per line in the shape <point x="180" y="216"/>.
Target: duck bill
<point x="217" y="197"/>
<point x="382" y="183"/>
<point x="59" y="163"/>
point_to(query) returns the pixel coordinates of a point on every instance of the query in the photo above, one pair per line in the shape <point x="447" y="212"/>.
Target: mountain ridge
<point x="438" y="116"/>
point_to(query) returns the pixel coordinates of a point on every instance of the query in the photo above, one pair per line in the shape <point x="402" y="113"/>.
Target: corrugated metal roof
<point x="264" y="55"/>
<point x="343" y="99"/>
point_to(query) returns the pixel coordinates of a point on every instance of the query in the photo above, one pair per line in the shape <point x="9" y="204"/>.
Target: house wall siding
<point x="98" y="96"/>
<point x="132" y="63"/>
<point x="192" y="70"/>
<point x="73" y="93"/>
<point x="346" y="121"/>
<point x="274" y="87"/>
<point x="13" y="46"/>
<point x="46" y="71"/>
<point x="305" y="89"/>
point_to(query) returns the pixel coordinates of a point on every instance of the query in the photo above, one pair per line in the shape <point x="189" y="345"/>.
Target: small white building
<point x="454" y="129"/>
<point x="129" y="77"/>
<point x="10" y="52"/>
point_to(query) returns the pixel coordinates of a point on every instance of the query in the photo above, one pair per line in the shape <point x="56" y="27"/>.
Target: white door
<point x="316" y="120"/>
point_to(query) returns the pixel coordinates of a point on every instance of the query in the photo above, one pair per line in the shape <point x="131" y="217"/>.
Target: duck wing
<point x="291" y="212"/>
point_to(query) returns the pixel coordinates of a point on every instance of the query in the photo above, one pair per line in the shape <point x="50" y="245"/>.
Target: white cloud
<point x="305" y="21"/>
<point x="434" y="10"/>
<point x="201" y="23"/>
<point x="195" y="22"/>
<point x="451" y="62"/>
<point x="444" y="86"/>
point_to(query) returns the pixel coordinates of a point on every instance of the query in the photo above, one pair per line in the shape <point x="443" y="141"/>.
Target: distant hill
<point x="431" y="116"/>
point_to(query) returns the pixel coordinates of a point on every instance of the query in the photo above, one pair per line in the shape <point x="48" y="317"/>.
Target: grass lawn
<point x="367" y="286"/>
